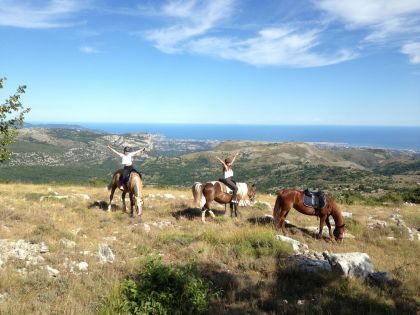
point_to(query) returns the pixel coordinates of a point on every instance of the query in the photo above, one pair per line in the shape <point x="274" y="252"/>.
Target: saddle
<point x="126" y="179"/>
<point x="314" y="199"/>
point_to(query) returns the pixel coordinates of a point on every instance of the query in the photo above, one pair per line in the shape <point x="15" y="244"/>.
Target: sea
<point x="407" y="138"/>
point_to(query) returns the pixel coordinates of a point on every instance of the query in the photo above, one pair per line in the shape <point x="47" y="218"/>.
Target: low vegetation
<point x="227" y="266"/>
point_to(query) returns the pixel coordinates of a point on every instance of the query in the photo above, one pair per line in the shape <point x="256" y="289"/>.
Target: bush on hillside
<point x="165" y="289"/>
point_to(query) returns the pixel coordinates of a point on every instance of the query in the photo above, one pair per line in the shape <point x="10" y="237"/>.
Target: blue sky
<point x="316" y="62"/>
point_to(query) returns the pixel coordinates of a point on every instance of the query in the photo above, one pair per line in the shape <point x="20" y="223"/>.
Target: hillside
<point x="80" y="156"/>
<point x="52" y="241"/>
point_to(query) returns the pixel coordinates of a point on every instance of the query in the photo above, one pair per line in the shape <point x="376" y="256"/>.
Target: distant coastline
<point x="406" y="138"/>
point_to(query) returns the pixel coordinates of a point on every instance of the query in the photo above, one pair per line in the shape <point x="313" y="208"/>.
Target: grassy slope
<point x="241" y="259"/>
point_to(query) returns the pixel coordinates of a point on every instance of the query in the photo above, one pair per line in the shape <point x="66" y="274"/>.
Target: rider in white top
<point x="228" y="176"/>
<point x="126" y="161"/>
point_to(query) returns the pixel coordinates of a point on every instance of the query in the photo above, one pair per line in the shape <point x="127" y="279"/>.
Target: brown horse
<point x="134" y="187"/>
<point x="217" y="191"/>
<point x="292" y="198"/>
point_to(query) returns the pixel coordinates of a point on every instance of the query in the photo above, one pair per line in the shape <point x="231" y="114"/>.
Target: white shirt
<point x="127" y="159"/>
<point x="228" y="173"/>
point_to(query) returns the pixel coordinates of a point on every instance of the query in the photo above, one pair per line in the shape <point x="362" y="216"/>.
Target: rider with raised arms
<point x="127" y="162"/>
<point x="228" y="175"/>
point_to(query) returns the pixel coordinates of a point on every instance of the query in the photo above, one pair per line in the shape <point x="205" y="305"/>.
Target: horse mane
<point x="242" y="189"/>
<point x="335" y="212"/>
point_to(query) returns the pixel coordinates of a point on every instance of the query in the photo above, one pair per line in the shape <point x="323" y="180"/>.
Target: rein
<point x="341" y="226"/>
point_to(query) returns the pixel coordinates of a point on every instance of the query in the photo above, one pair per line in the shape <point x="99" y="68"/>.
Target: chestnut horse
<point x="292" y="198"/>
<point x="134" y="187"/>
<point x="217" y="191"/>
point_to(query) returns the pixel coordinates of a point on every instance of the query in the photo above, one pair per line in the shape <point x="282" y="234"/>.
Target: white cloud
<point x="413" y="52"/>
<point x="273" y="46"/>
<point x="192" y="18"/>
<point x="382" y="18"/>
<point x="194" y="23"/>
<point x="89" y="50"/>
<point x="29" y="14"/>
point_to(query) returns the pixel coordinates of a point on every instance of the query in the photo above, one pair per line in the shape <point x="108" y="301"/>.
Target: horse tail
<point x="197" y="191"/>
<point x="277" y="206"/>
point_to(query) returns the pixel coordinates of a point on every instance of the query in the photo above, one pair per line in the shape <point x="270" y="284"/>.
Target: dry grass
<point x="240" y="258"/>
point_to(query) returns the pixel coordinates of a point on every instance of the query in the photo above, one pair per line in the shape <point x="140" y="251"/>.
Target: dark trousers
<point x="126" y="174"/>
<point x="231" y="184"/>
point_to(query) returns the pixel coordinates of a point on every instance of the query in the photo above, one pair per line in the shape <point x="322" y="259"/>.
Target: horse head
<point x="339" y="232"/>
<point x="251" y="192"/>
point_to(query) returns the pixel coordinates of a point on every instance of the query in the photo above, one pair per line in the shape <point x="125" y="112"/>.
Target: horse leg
<point x="280" y="218"/>
<point x="139" y="205"/>
<point x="327" y="221"/>
<point x="235" y="208"/>
<point x="123" y="201"/>
<point x="231" y="209"/>
<point x="131" y="204"/>
<point x="111" y="197"/>
<point x="322" y="218"/>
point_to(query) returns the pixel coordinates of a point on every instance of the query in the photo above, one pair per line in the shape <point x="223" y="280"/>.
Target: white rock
<point x="168" y="196"/>
<point x="110" y="238"/>
<point x="105" y="253"/>
<point x="83" y="196"/>
<point x="76" y="231"/>
<point x="310" y="264"/>
<point x="347" y="214"/>
<point x="296" y="245"/>
<point x="83" y="266"/>
<point x="67" y="243"/>
<point x="52" y="272"/>
<point x="3" y="297"/>
<point x="43" y="248"/>
<point x="350" y="264"/>
<point x="373" y="223"/>
<point x="146" y="227"/>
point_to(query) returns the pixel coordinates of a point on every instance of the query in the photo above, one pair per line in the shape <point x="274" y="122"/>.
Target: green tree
<point x="12" y="114"/>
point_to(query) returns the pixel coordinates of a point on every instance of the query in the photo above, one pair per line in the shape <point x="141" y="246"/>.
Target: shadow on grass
<point x="193" y="213"/>
<point x="293" y="291"/>
<point x="292" y="229"/>
<point x="103" y="205"/>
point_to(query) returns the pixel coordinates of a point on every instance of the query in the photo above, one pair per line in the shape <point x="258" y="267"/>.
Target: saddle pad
<point x="312" y="201"/>
<point x="307" y="201"/>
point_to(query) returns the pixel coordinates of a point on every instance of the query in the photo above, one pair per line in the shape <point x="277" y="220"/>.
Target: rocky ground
<point x="57" y="241"/>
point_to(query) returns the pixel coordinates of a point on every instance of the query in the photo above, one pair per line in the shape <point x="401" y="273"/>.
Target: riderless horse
<point x="292" y="198"/>
<point x="219" y="192"/>
<point x="134" y="188"/>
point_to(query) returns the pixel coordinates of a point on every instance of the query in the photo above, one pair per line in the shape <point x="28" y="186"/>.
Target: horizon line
<point x="216" y="124"/>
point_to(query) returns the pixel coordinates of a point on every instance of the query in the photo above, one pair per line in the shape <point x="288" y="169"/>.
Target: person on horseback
<point x="228" y="175"/>
<point x="127" y="162"/>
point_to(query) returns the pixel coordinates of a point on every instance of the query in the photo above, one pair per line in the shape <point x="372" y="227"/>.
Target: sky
<point x="287" y="62"/>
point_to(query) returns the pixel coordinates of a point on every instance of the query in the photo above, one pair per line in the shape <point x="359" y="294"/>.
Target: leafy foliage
<point x="9" y="123"/>
<point x="165" y="289"/>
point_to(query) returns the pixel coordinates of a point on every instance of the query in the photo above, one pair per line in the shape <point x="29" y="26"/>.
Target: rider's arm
<point x="221" y="161"/>
<point x="138" y="152"/>
<point x="234" y="158"/>
<point x="114" y="151"/>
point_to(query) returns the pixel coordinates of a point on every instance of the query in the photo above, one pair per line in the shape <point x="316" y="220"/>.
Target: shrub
<point x="165" y="289"/>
